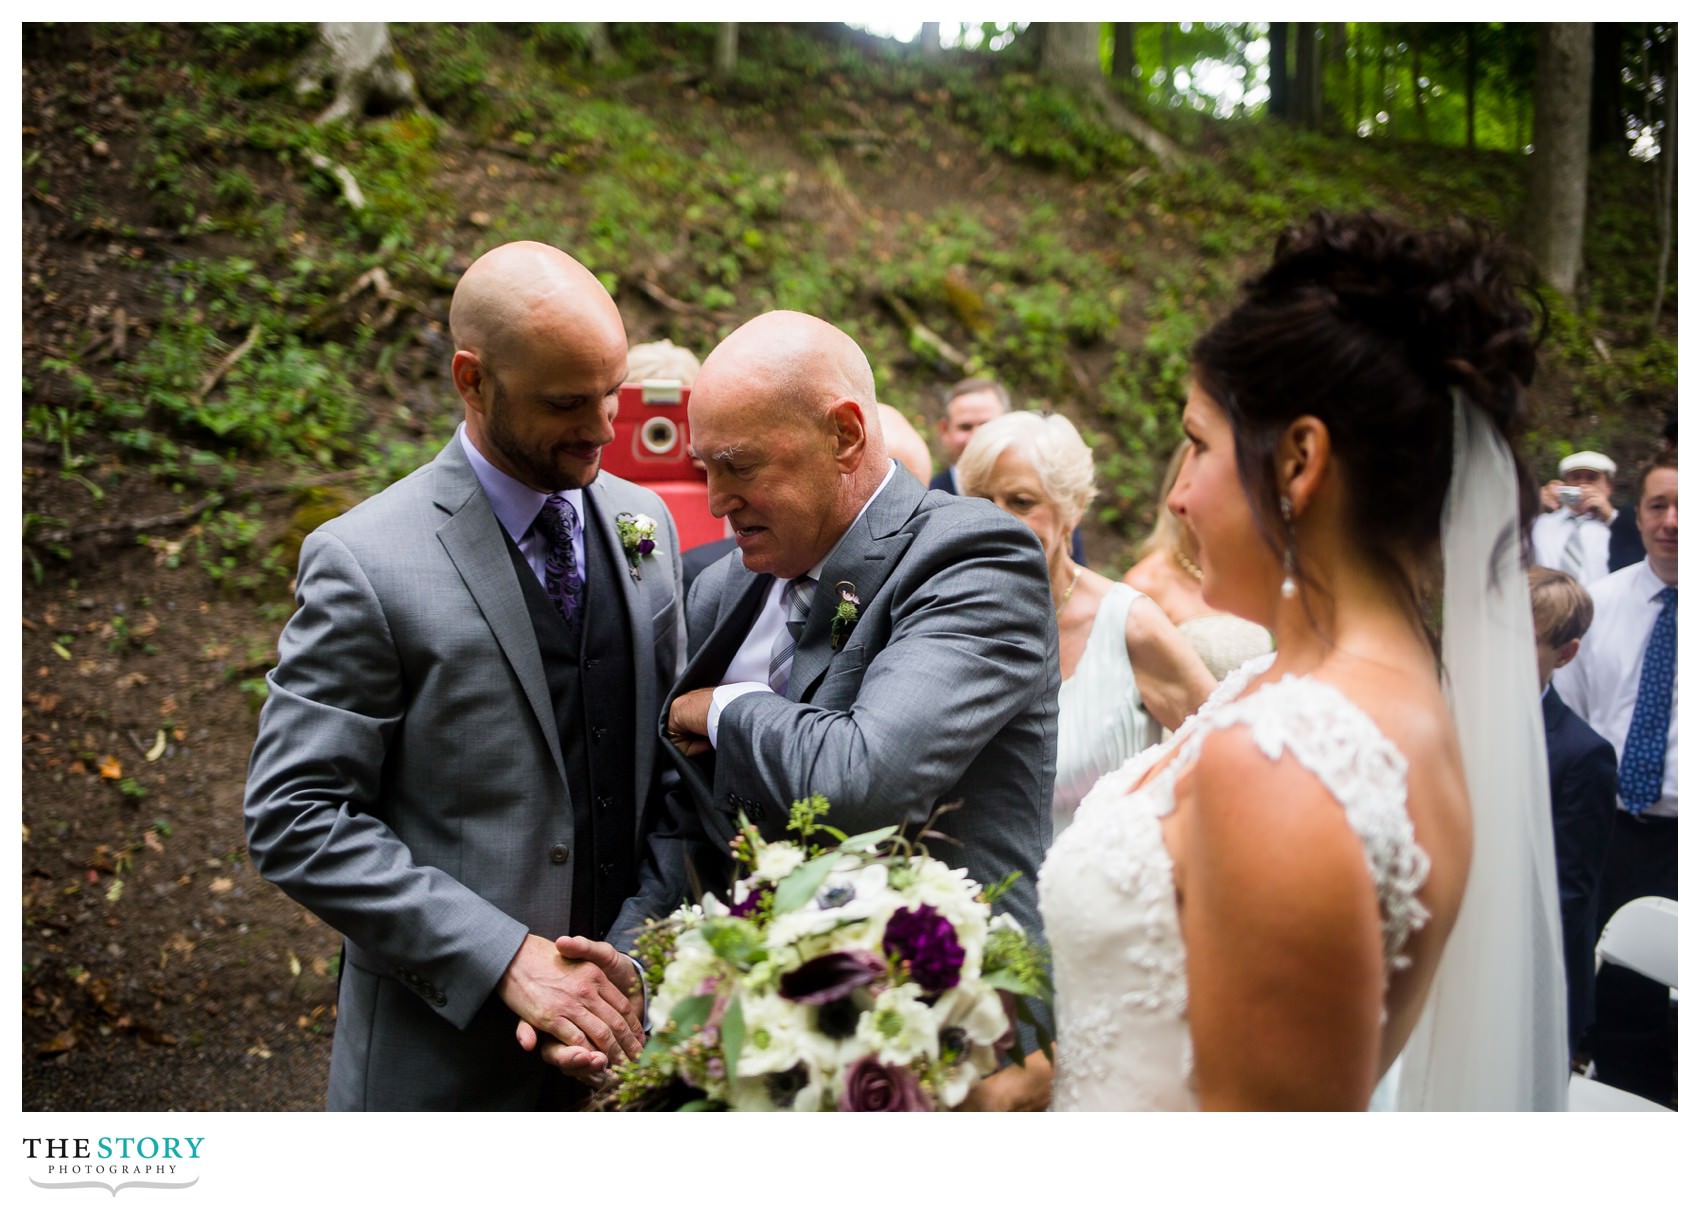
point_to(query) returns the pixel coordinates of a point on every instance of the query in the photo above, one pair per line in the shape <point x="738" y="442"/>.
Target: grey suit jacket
<point x="945" y="691"/>
<point x="407" y="784"/>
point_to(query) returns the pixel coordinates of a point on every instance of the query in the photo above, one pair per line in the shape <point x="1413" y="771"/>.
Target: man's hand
<point x="1549" y="495"/>
<point x="572" y="1002"/>
<point x="687" y="722"/>
<point x="1596" y="502"/>
<point x="577" y="1061"/>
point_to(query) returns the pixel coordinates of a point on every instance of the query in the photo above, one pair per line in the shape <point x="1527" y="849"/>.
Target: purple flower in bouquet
<point x="872" y="1086"/>
<point x="925" y="939"/>
<point x="828" y="978"/>
<point x="746" y="905"/>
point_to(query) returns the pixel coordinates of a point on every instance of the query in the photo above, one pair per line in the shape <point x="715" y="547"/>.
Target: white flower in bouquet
<point x="900" y="1028"/>
<point x="852" y="903"/>
<point x="776" y="1032"/>
<point x="774" y="862"/>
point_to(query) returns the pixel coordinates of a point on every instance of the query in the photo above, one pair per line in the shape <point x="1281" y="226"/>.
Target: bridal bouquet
<point x="858" y="976"/>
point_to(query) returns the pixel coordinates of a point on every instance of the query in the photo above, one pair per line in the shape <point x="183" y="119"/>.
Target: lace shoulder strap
<point x="1337" y="742"/>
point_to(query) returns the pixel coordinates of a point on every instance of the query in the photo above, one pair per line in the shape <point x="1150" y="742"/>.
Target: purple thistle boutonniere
<point x="637" y="537"/>
<point x="844" y="615"/>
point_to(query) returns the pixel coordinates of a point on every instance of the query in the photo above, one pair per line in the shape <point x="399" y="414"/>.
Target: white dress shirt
<point x="516" y="505"/>
<point x="747" y="671"/>
<point x="1601" y="684"/>
<point x="1551" y="532"/>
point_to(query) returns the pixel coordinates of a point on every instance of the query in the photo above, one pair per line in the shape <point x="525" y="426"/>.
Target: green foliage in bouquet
<point x="844" y="972"/>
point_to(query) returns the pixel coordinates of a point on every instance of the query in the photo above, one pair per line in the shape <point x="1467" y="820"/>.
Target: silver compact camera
<point x="1570" y="497"/>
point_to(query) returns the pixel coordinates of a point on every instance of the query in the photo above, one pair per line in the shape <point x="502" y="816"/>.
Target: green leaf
<point x="861" y="841"/>
<point x="795" y="890"/>
<point x="733" y="940"/>
<point x="732" y="1037"/>
<point x="689" y="1014"/>
<point x="1004" y="979"/>
<point x="700" y="1105"/>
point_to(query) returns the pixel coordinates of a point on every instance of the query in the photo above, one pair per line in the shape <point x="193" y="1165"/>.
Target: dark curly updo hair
<point x="1370" y="326"/>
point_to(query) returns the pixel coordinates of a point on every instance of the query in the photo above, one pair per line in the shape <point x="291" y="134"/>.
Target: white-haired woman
<point x="1127" y="672"/>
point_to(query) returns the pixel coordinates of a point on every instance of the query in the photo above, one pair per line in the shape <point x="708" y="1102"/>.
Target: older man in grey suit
<point x="890" y="648"/>
<point x="456" y="763"/>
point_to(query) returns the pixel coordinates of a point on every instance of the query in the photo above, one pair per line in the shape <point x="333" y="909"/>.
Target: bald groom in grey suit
<point x="456" y="764"/>
<point x="943" y="689"/>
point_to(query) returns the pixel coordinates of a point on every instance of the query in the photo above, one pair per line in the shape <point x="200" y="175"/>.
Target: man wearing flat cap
<point x="1575" y="535"/>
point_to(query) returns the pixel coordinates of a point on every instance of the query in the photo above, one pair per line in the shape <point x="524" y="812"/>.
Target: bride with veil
<point x="1345" y="857"/>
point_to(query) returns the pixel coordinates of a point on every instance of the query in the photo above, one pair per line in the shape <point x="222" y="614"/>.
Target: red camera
<point x="652" y="447"/>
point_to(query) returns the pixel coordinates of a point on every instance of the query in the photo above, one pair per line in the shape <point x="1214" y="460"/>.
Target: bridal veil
<point x="1492" y="1036"/>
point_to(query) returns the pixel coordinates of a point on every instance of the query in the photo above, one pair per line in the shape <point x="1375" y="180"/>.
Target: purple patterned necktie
<point x="558" y="521"/>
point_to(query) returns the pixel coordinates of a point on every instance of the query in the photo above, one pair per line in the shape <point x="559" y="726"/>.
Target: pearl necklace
<point x="1188" y="565"/>
<point x="1069" y="593"/>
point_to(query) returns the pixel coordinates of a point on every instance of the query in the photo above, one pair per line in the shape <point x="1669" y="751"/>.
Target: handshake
<point x="579" y="1002"/>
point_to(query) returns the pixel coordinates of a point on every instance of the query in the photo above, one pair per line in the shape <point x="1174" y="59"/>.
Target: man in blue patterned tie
<point x="1623" y="683"/>
<point x="456" y="765"/>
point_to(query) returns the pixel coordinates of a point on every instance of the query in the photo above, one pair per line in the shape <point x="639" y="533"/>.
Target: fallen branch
<point x="852" y="137"/>
<point x="920" y="334"/>
<point x="654" y="291"/>
<point x="120" y="525"/>
<point x="223" y="368"/>
<point x="350" y="187"/>
<point x="375" y="281"/>
<point x="658" y="81"/>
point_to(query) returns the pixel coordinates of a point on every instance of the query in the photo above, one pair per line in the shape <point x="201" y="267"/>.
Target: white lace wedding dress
<point x="1107" y="892"/>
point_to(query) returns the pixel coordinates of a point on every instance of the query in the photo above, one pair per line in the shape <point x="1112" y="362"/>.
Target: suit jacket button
<point x="440" y="1000"/>
<point x="558" y="853"/>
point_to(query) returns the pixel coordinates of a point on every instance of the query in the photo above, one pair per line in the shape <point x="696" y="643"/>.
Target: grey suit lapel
<point x="474" y="541"/>
<point x="861" y="562"/>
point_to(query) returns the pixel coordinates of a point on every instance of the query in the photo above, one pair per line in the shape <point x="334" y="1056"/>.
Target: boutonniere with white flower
<point x="844" y="615"/>
<point x="637" y="537"/>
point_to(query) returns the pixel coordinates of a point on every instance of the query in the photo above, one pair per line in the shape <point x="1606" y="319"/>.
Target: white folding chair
<point x="1640" y="936"/>
<point x="1590" y="1095"/>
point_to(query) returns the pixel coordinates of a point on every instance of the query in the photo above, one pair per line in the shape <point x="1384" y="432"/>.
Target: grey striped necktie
<point x="798" y="593"/>
<point x="1572" y="557"/>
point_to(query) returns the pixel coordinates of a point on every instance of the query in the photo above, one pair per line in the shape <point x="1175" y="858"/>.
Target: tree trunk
<point x="1470" y="86"/>
<point x="726" y="51"/>
<point x="1558" y="192"/>
<point x="1306" y="97"/>
<point x="1333" y="75"/>
<point x="596" y="41"/>
<point x="1417" y="89"/>
<point x="1667" y="185"/>
<point x="1068" y="52"/>
<point x="1358" y="79"/>
<point x="1383" y="103"/>
<point x="929" y="39"/>
<point x="1122" y="60"/>
<point x="367" y="72"/>
<point x="1605" y="111"/>
<point x="1279" y="105"/>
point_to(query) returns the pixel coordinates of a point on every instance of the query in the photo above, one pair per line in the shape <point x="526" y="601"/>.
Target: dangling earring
<point x="1289" y="583"/>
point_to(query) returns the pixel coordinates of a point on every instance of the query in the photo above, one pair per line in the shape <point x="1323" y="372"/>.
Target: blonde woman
<point x="1169" y="573"/>
<point x="1127" y="672"/>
